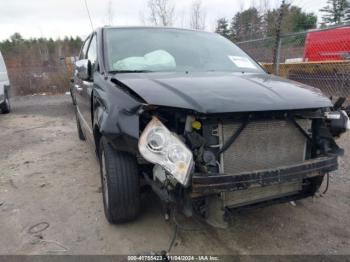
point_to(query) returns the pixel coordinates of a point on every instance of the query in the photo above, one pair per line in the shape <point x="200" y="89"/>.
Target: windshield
<point x="173" y="50"/>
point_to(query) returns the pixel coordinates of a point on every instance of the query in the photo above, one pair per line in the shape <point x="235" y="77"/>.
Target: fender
<point x="115" y="115"/>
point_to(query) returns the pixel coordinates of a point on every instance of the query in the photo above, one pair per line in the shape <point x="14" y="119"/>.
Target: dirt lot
<point x="48" y="175"/>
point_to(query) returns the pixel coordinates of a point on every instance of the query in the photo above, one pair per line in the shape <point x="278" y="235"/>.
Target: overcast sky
<point x="59" y="18"/>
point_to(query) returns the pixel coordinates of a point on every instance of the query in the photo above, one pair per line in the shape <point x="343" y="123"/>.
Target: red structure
<point x="328" y="45"/>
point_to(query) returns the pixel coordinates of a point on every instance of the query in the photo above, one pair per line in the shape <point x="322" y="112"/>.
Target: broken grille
<point x="263" y="144"/>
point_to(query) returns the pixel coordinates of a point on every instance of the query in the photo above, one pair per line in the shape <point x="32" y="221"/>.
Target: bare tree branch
<point x="109" y="13"/>
<point x="198" y="16"/>
<point x="264" y="6"/>
<point x="161" y="12"/>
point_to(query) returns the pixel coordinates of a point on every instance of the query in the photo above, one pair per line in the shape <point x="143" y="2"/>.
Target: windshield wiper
<point x="130" y="71"/>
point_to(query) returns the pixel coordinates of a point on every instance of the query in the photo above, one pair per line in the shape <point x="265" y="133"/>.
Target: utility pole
<point x="277" y="49"/>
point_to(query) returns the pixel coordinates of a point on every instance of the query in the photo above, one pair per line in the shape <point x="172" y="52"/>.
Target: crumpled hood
<point x="223" y="92"/>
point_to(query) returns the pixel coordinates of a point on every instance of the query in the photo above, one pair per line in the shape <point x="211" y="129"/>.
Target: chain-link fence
<point x="320" y="58"/>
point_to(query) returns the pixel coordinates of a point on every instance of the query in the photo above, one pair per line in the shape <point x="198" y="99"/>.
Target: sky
<point x="59" y="18"/>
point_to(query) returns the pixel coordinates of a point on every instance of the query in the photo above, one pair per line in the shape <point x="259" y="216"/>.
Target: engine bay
<point x="227" y="146"/>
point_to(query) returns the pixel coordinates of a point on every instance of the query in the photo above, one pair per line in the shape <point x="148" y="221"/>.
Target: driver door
<point x="84" y="88"/>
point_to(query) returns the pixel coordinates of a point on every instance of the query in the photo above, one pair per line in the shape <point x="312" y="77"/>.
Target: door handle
<point x="78" y="88"/>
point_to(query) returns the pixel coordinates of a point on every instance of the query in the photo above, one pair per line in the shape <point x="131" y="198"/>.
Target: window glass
<point x="173" y="50"/>
<point x="84" y="49"/>
<point x="92" y="53"/>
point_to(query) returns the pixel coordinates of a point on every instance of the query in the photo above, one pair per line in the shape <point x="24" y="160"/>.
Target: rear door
<point x="4" y="81"/>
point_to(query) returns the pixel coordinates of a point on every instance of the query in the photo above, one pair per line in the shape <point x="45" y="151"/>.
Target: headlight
<point x="159" y="146"/>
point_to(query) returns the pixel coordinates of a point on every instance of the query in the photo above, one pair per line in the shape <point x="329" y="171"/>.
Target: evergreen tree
<point x="347" y="12"/>
<point x="336" y="12"/>
<point x="16" y="38"/>
<point x="222" y="28"/>
<point x="294" y="20"/>
<point x="247" y="25"/>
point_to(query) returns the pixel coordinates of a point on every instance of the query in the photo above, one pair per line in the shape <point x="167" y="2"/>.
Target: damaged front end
<point x="215" y="164"/>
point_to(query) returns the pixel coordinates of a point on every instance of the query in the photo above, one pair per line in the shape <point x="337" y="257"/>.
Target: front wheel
<point x="6" y="107"/>
<point x="120" y="184"/>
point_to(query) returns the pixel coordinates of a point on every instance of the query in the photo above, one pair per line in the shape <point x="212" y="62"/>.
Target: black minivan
<point x="193" y="117"/>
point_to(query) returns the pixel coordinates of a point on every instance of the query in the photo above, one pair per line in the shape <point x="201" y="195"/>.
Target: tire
<point x="6" y="106"/>
<point x="120" y="184"/>
<point x="80" y="131"/>
<point x="72" y="96"/>
<point x="316" y="183"/>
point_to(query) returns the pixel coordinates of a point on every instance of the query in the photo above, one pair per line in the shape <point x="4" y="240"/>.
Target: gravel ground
<point x="48" y="175"/>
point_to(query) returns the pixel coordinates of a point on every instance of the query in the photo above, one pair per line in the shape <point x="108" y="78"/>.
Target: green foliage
<point x="336" y="12"/>
<point x="222" y="28"/>
<point x="39" y="51"/>
<point x="347" y="12"/>
<point x="294" y="20"/>
<point x="251" y="24"/>
<point x="302" y="21"/>
<point x="37" y="65"/>
<point x="16" y="38"/>
<point x="247" y="25"/>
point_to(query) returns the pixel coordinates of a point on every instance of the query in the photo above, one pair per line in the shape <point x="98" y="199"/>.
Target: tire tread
<point x="123" y="184"/>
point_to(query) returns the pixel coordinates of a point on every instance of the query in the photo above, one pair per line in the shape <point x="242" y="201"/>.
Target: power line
<point x="88" y="12"/>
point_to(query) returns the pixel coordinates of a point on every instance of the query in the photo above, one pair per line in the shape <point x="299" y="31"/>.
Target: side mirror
<point x="83" y="69"/>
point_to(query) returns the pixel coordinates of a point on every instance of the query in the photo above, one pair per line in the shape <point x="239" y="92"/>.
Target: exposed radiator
<point x="263" y="144"/>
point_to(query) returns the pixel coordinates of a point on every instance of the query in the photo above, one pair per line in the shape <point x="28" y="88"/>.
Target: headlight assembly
<point x="159" y="146"/>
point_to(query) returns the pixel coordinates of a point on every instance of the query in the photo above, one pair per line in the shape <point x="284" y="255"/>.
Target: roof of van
<point x="151" y="27"/>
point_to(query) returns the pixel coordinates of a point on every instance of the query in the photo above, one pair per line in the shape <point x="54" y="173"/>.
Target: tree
<point x="222" y="28"/>
<point x="335" y="12"/>
<point x="16" y="38"/>
<point x="303" y="21"/>
<point x="247" y="25"/>
<point x="297" y="20"/>
<point x="294" y="20"/>
<point x="270" y="22"/>
<point x="36" y="65"/>
<point x="347" y="12"/>
<point x="109" y="13"/>
<point x="198" y="16"/>
<point x="161" y="12"/>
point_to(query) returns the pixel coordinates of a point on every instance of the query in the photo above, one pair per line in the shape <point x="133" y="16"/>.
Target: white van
<point x="4" y="88"/>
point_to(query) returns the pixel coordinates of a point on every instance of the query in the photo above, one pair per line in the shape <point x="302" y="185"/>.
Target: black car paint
<point x="224" y="92"/>
<point x="115" y="100"/>
<point x="108" y="107"/>
<point x="117" y="105"/>
<point x="114" y="114"/>
<point x="217" y="183"/>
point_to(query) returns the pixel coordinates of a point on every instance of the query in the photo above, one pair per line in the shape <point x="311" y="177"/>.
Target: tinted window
<point x="178" y="50"/>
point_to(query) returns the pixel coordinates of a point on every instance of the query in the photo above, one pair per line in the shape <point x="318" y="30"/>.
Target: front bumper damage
<point x="235" y="169"/>
<point x="228" y="194"/>
<point x="203" y="184"/>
